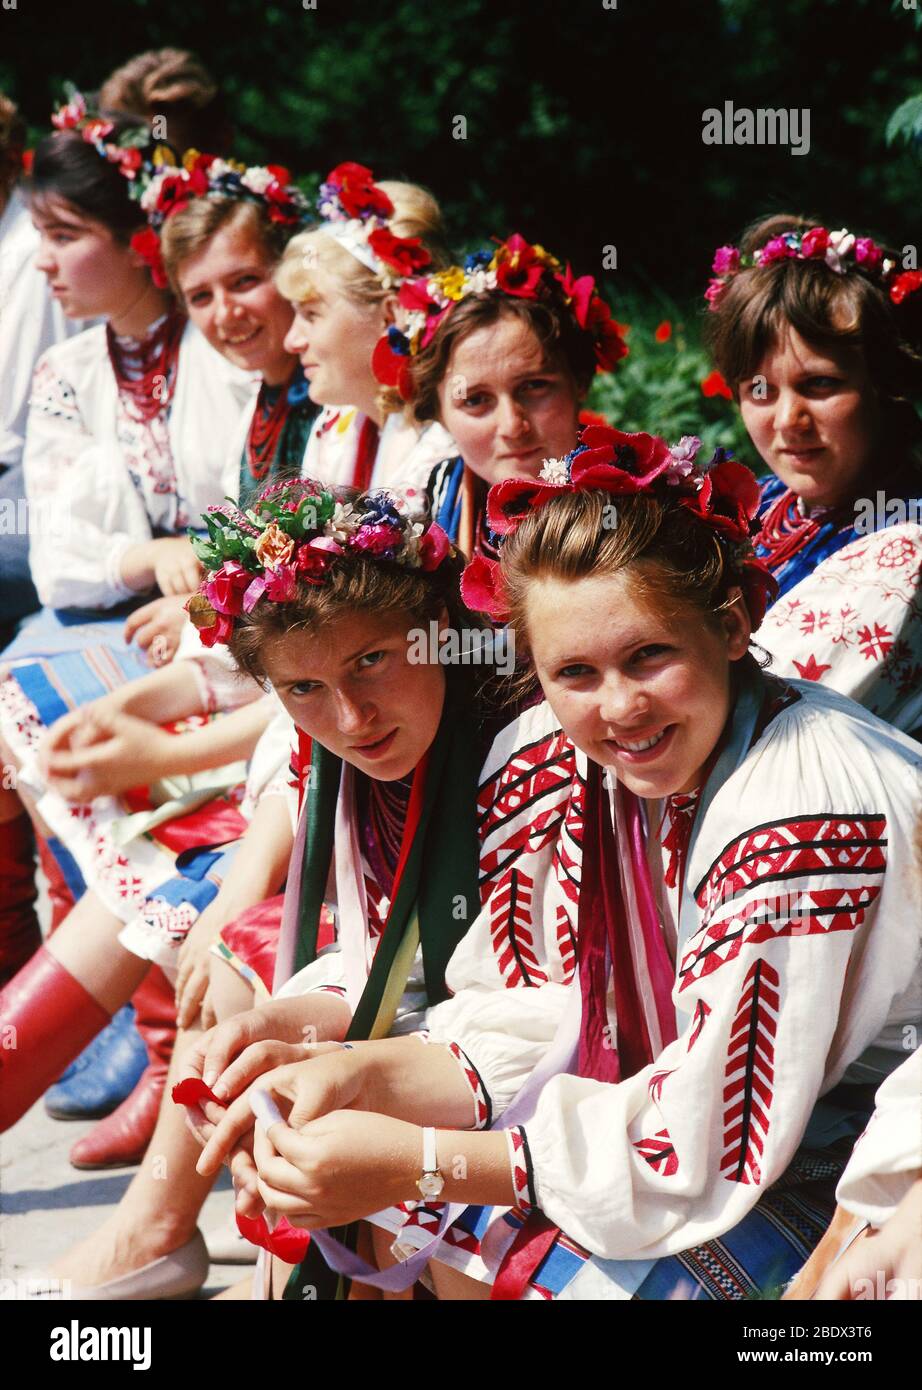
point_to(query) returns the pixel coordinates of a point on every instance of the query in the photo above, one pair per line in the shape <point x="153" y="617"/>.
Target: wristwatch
<point x="430" y="1181"/>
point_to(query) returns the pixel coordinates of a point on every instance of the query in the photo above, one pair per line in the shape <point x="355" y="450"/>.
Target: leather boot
<point x="59" y="892"/>
<point x="122" y="1138"/>
<point x="103" y="1075"/>
<point x="46" y="1019"/>
<point x="20" y="935"/>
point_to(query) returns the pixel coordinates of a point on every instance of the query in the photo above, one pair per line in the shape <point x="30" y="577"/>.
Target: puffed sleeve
<point x="802" y="953"/>
<point x="855" y="624"/>
<point x="511" y="973"/>
<point x="84" y="511"/>
<point x="887" y="1158"/>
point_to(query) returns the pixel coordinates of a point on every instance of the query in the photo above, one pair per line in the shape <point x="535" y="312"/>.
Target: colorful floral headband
<point x="722" y="494"/>
<point x="357" y="212"/>
<point x="206" y="176"/>
<point x="841" y="251"/>
<point x="140" y="159"/>
<point x="296" y="530"/>
<point x="515" y="268"/>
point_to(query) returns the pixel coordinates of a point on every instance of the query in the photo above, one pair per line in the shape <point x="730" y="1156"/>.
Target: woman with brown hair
<point x="747" y="941"/>
<point x="819" y="336"/>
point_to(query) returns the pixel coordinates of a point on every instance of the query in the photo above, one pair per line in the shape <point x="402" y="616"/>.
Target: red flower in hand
<point x="406" y="254"/>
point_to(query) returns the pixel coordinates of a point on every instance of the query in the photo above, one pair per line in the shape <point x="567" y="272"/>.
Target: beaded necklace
<point x="266" y="429"/>
<point x="145" y="370"/>
<point x="383" y="815"/>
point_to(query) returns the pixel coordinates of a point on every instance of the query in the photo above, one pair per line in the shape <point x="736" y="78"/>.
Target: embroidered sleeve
<point x="855" y="624"/>
<point x="84" y="513"/>
<point x="483" y="1110"/>
<point x="521" y="1169"/>
<point x="800" y="950"/>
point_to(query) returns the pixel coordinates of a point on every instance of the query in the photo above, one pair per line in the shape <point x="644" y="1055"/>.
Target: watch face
<point x="431" y="1184"/>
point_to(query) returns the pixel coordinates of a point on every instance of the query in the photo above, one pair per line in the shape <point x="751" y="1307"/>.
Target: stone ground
<point x="46" y="1206"/>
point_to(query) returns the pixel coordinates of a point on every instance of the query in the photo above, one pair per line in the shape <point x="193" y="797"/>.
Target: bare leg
<point x="87" y="945"/>
<point x="230" y="992"/>
<point x="159" y="1211"/>
<point x="452" y="1286"/>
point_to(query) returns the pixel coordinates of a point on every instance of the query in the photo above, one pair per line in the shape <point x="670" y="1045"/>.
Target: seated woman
<point x="819" y="336"/>
<point x="128" y="430"/>
<point x="501" y="351"/>
<point x="727" y="911"/>
<point x="220" y="250"/>
<point x="331" y="626"/>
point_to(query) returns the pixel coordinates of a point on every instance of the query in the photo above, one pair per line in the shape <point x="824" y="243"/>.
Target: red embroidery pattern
<point x="659" y="1152"/>
<point x="512" y="930"/>
<point x="794" y="848"/>
<point x="483" y="1110"/>
<point x="750" y="1075"/>
<point x="814" y="913"/>
<point x="877" y="644"/>
<point x="520" y="1162"/>
<point x="702" y="1011"/>
<point x="566" y="944"/>
<point x="655" y="1087"/>
<point x="568" y="853"/>
<point x="536" y="779"/>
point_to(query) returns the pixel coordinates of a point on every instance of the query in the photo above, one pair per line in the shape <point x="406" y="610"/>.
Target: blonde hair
<point x="188" y="232"/>
<point x="416" y="213"/>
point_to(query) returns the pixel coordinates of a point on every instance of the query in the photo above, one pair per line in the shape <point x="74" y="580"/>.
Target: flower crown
<point x="515" y="268"/>
<point x="207" y="176"/>
<point x="841" y="251"/>
<point x="722" y="494"/>
<point x="357" y="213"/>
<point x="295" y="530"/>
<point x="162" y="186"/>
<point x="140" y="159"/>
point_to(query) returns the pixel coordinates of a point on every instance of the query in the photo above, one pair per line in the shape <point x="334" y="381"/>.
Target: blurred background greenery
<point x="583" y="126"/>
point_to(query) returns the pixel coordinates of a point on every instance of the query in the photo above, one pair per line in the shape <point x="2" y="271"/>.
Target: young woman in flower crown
<point x="747" y="941"/>
<point x="819" y="335"/>
<point x="501" y="351"/>
<point x="321" y="597"/>
<point x="222" y="228"/>
<point x="343" y="278"/>
<point x="127" y="433"/>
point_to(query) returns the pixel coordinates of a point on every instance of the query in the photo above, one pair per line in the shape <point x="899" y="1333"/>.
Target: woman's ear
<point x="737" y="624"/>
<point x="389" y="306"/>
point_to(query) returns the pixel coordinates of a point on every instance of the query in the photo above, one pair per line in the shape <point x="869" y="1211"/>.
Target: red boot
<point x="59" y="895"/>
<point x="121" y="1139"/>
<point x="20" y="935"/>
<point x="46" y="1019"/>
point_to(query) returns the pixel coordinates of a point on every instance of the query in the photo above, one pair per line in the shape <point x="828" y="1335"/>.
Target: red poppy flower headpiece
<point x="358" y="213"/>
<point x="722" y="495"/>
<point x="841" y="251"/>
<point x="513" y="267"/>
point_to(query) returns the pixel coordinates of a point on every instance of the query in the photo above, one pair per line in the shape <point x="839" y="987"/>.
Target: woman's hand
<point x="98" y="751"/>
<point x="330" y="1078"/>
<point x="338" y="1168"/>
<point x="157" y="627"/>
<point x="169" y="563"/>
<point x="193" y="974"/>
<point x="885" y="1263"/>
<point x="241" y="1048"/>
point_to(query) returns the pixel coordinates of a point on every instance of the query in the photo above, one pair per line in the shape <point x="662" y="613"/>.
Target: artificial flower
<point x="519" y="267"/>
<point x="225" y="589"/>
<point x="726" y="260"/>
<point x="815" y="242"/>
<point x="147" y="245"/>
<point x="483" y="590"/>
<point x="433" y="547"/>
<point x="406" y="254"/>
<point x="274" y="548"/>
<point x="906" y="283"/>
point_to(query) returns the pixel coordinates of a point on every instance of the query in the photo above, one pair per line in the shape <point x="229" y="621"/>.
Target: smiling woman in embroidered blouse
<point x="657" y="1159"/>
